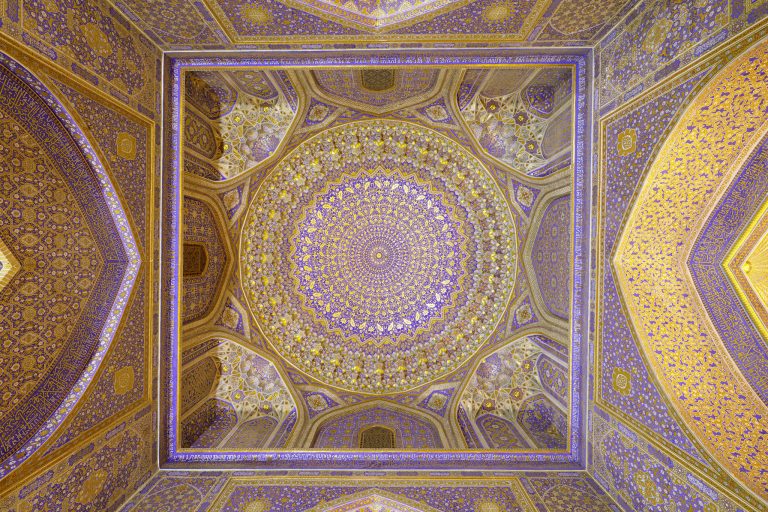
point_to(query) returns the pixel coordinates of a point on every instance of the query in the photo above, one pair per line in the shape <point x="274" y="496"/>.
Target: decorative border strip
<point x="359" y="460"/>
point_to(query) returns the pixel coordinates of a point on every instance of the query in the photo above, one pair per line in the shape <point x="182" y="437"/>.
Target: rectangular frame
<point x="301" y="460"/>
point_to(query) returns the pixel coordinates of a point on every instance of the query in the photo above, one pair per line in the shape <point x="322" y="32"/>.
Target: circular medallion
<point x="378" y="256"/>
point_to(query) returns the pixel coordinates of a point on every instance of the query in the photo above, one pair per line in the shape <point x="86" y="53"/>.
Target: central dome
<point x="378" y="256"/>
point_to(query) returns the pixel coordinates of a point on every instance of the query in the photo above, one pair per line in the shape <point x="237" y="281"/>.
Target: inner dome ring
<point x="378" y="256"/>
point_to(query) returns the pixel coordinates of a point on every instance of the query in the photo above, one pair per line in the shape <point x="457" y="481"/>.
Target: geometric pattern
<point x="180" y="24"/>
<point x="640" y="477"/>
<point x="246" y="494"/>
<point x="630" y="392"/>
<point x="520" y="116"/>
<point x="375" y="14"/>
<point x="568" y="494"/>
<point x="254" y="130"/>
<point x="396" y="89"/>
<point x="93" y="281"/>
<point x="709" y="265"/>
<point x="581" y="18"/>
<point x="201" y="230"/>
<point x="747" y="268"/>
<point x="251" y="491"/>
<point x="358" y="260"/>
<point x="373" y="500"/>
<point x="313" y="20"/>
<point x="689" y="358"/>
<point x="624" y="380"/>
<point x="245" y="109"/>
<point x="99" y="476"/>
<point x="507" y="130"/>
<point x="88" y="39"/>
<point x="506" y="390"/>
<point x="251" y="383"/>
<point x="295" y="278"/>
<point x="410" y="431"/>
<point x="550" y="256"/>
<point x="77" y="253"/>
<point x="247" y="399"/>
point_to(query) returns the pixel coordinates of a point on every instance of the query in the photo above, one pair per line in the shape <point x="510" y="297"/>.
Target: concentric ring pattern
<point x="378" y="256"/>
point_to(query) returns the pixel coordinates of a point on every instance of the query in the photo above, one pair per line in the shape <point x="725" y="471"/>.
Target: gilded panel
<point x="92" y="41"/>
<point x="242" y="387"/>
<point x="399" y="88"/>
<point x="124" y="141"/>
<point x="223" y="24"/>
<point x="687" y="354"/>
<point x="410" y="430"/>
<point x="550" y="255"/>
<point x="199" y="292"/>
<point x="630" y="140"/>
<point x="567" y="492"/>
<point x="707" y="263"/>
<point x="307" y="255"/>
<point x="448" y="496"/>
<point x="640" y="477"/>
<point x="79" y="261"/>
<point x="255" y="491"/>
<point x="507" y="385"/>
<point x="173" y="23"/>
<point x="270" y="20"/>
<point x="583" y="19"/>
<point x="98" y="477"/>
<point x="124" y="381"/>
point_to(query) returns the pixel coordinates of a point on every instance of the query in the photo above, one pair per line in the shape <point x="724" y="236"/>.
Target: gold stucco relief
<point x="696" y="162"/>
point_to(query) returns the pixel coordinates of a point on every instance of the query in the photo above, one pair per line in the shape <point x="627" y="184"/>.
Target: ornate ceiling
<point x="218" y="24"/>
<point x="408" y="283"/>
<point x="385" y="255"/>
<point x="72" y="258"/>
<point x="395" y="236"/>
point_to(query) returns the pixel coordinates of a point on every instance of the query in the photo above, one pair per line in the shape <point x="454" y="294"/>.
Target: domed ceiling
<point x="409" y="284"/>
<point x="373" y="247"/>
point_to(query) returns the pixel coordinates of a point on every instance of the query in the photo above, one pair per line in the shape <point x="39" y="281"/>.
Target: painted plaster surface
<point x="640" y="477"/>
<point x="651" y="259"/>
<point x="182" y="24"/>
<point x="334" y="296"/>
<point x="661" y="36"/>
<point x="216" y="491"/>
<point x="550" y="256"/>
<point x="82" y="258"/>
<point x="384" y="259"/>
<point x="98" y="92"/>
<point x="92" y="41"/>
<point x="238" y="391"/>
<point x="631" y="144"/>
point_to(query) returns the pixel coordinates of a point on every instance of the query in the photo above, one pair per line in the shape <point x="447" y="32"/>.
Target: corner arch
<point x="56" y="158"/>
